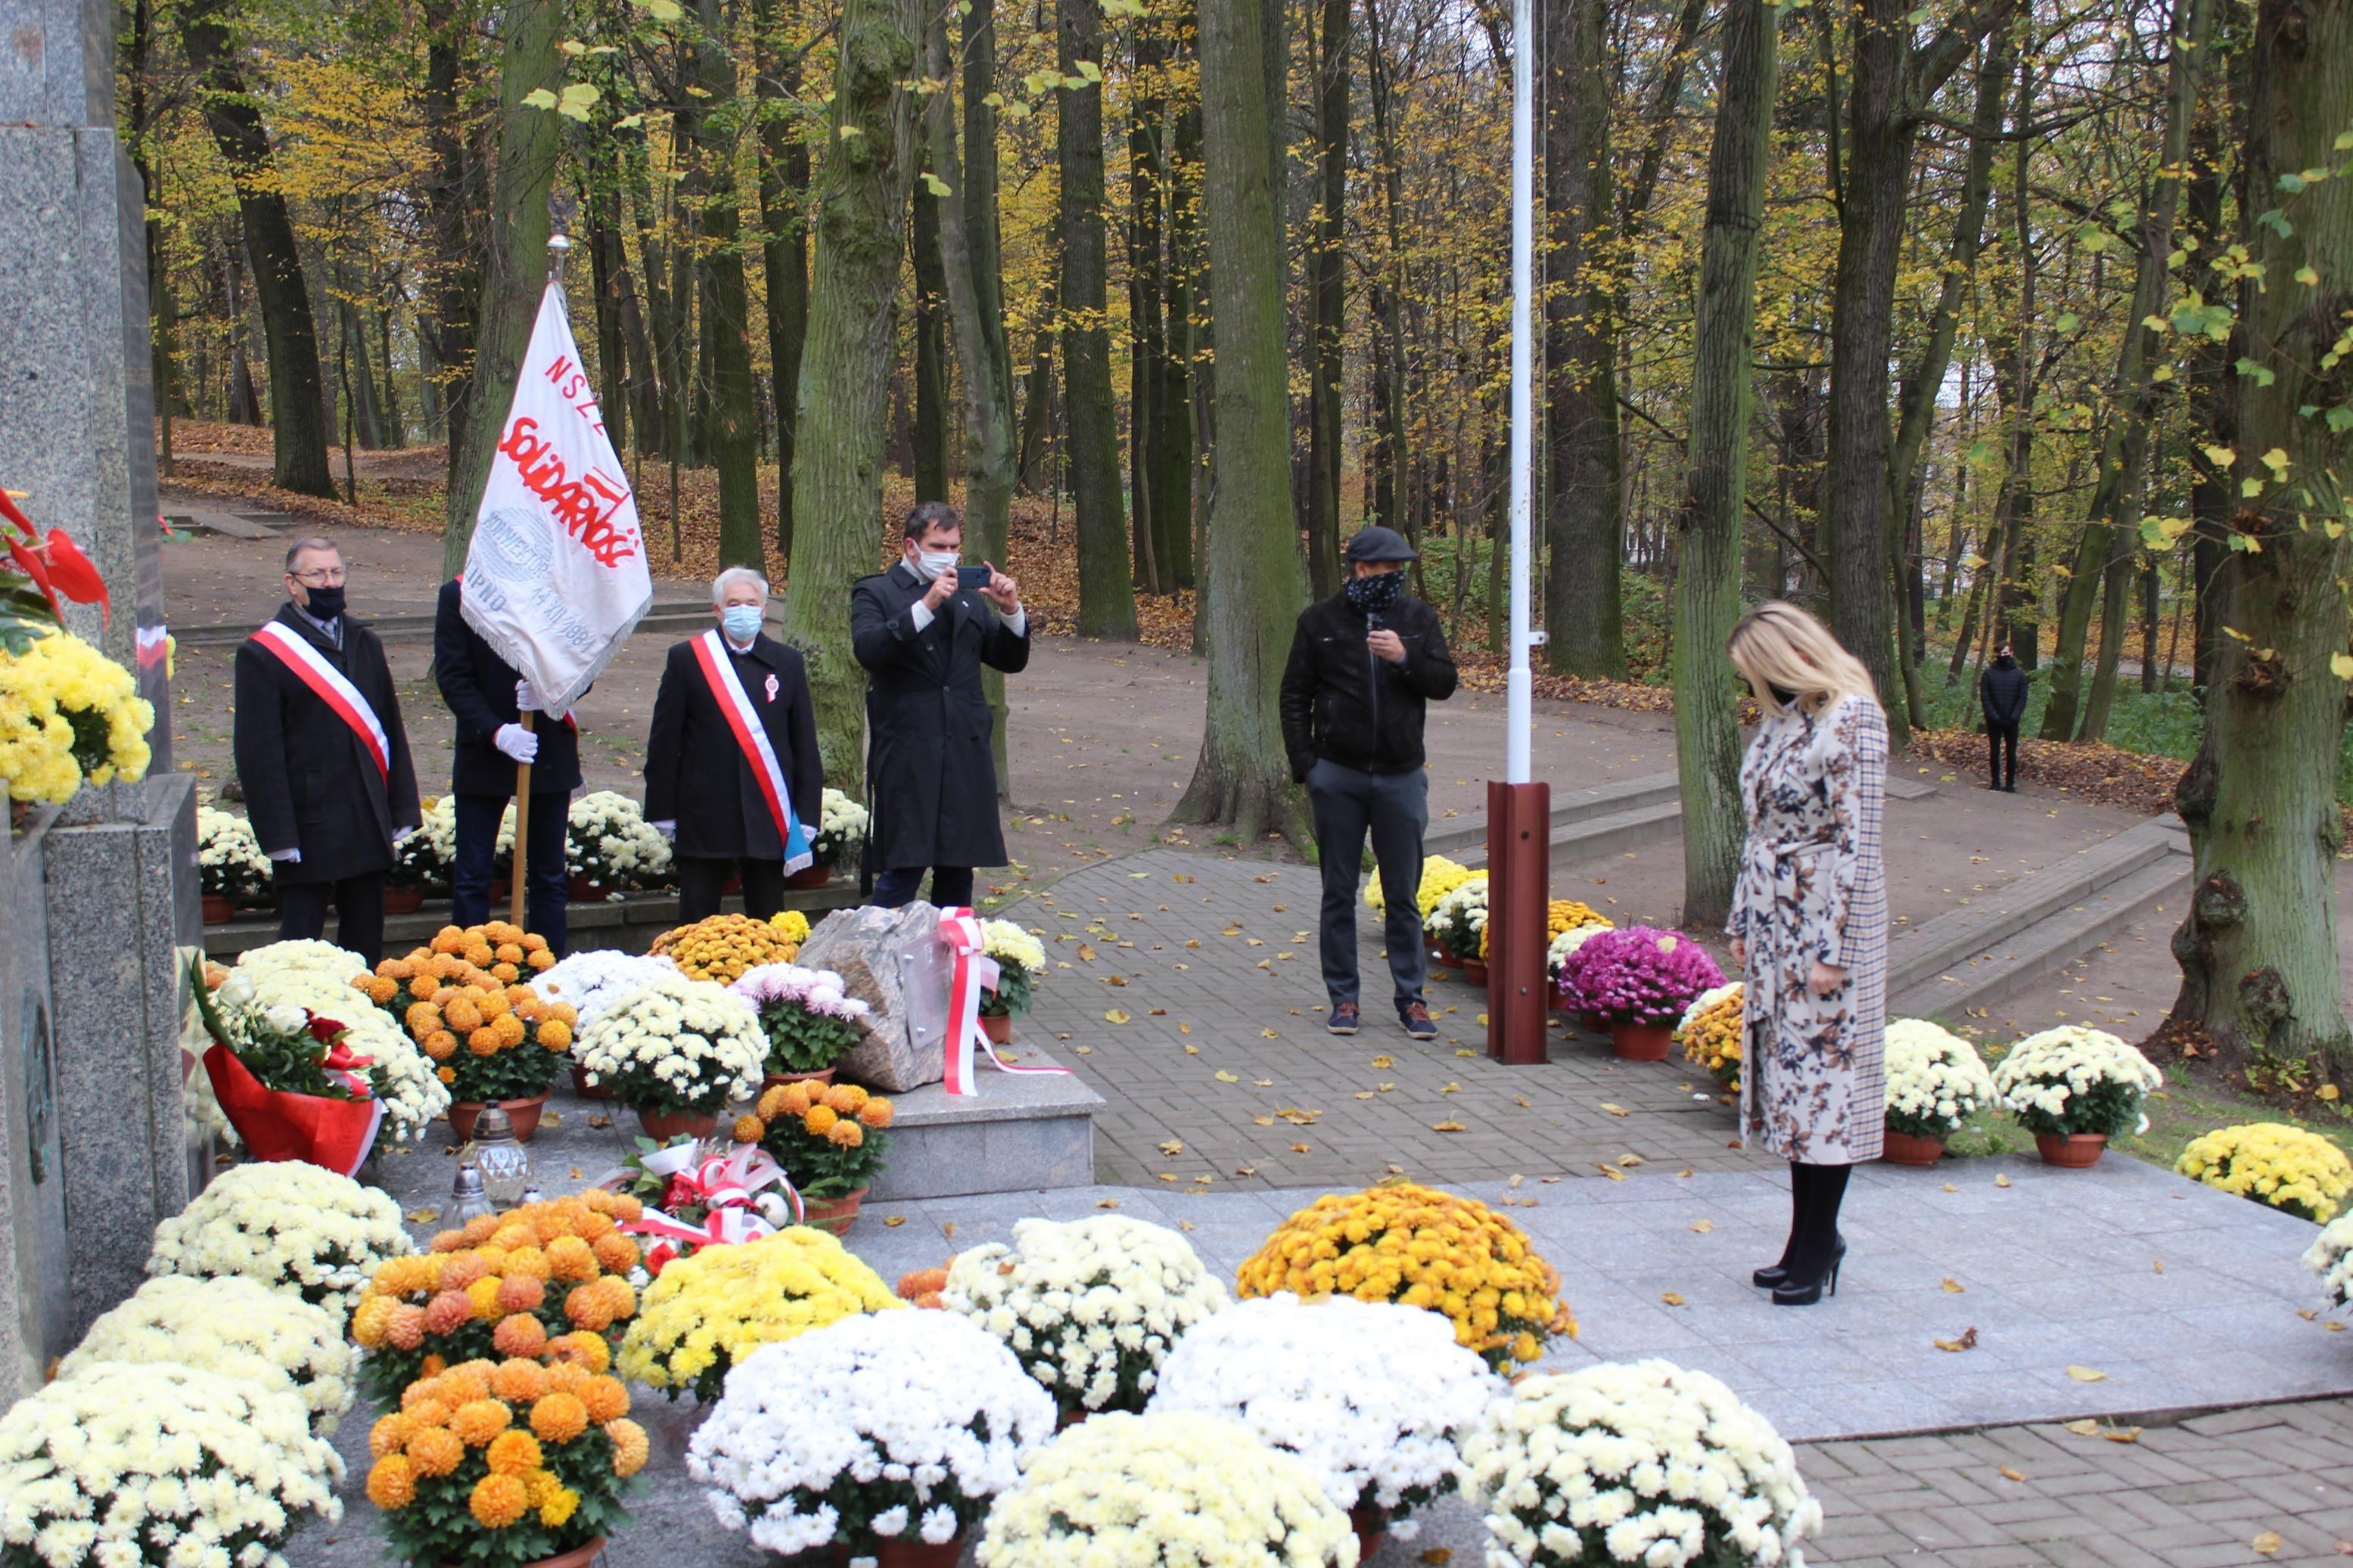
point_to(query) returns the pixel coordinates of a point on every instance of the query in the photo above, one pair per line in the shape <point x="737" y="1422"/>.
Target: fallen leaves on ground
<point x="2268" y="1543"/>
<point x="2086" y="1374"/>
<point x="1225" y="1076"/>
<point x="1447" y="1126"/>
<point x="1615" y="1110"/>
<point x="1670" y="1298"/>
<point x="2001" y="1178"/>
<point x="423" y="1217"/>
<point x="1968" y="1342"/>
<point x="1116" y="1016"/>
<point x="1173" y="1147"/>
<point x="1702" y="1226"/>
<point x="2008" y="1474"/>
<point x="894" y="1221"/>
<point x="1953" y="1287"/>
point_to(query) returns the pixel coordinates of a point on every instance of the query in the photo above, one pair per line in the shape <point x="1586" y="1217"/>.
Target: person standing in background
<point x="1363" y="665"/>
<point x="731" y="765"/>
<point x="2002" y="692"/>
<point x="488" y="700"/>
<point x="322" y="755"/>
<point x="1809" y="929"/>
<point x="924" y="631"/>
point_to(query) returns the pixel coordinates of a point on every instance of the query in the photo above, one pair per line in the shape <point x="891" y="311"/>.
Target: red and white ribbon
<point x="724" y="1185"/>
<point x="975" y="972"/>
<point x="332" y="687"/>
<point x="752" y="740"/>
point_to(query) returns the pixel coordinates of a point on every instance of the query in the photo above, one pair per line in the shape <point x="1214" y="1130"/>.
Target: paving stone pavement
<point x="1210" y="966"/>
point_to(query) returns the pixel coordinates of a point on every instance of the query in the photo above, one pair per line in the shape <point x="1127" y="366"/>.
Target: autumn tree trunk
<point x="515" y="274"/>
<point x="297" y="420"/>
<point x="860" y="224"/>
<point x="1106" y="589"/>
<point x="1255" y="582"/>
<point x="931" y="424"/>
<point x="1707" y="581"/>
<point x="784" y="223"/>
<point x="972" y="269"/>
<point x="731" y="424"/>
<point x="2132" y="389"/>
<point x="1327" y="297"/>
<point x="1584" y="517"/>
<point x="2258" y="950"/>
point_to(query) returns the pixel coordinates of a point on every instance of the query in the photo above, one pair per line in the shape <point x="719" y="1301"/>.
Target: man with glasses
<point x="322" y="754"/>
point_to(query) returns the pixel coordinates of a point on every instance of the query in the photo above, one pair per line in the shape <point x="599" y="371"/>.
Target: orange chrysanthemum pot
<point x="522" y="1114"/>
<point x="997" y="1027"/>
<point x="904" y="1553"/>
<point x="2072" y="1151"/>
<point x="1642" y="1042"/>
<point x="665" y="1125"/>
<point x="835" y="1215"/>
<point x="822" y="1075"/>
<point x="584" y="1088"/>
<point x="1371" y="1531"/>
<point x="1905" y="1149"/>
<point x="580" y="1556"/>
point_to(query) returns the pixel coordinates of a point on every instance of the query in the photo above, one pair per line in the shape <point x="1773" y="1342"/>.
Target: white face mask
<point x="930" y="563"/>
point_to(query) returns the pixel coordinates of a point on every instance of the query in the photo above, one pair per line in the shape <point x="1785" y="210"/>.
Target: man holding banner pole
<point x="732" y="772"/>
<point x="555" y="575"/>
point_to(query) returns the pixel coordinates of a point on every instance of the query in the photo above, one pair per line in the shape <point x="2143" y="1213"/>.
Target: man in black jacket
<point x="322" y="754"/>
<point x="1362" y="663"/>
<point x="732" y="774"/>
<point x="487" y="698"/>
<point x="2001" y="691"/>
<point x="931" y="777"/>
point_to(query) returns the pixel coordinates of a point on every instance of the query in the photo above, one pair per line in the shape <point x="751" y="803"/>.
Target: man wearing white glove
<point x="488" y="700"/>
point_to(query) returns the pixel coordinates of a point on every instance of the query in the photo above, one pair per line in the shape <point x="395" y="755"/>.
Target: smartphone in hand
<point x="973" y="577"/>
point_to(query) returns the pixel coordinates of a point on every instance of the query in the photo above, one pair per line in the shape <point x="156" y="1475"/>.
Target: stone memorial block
<point x="36" y="1315"/>
<point x="894" y="961"/>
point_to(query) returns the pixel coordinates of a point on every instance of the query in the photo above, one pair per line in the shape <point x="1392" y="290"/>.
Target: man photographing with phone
<point x="923" y="629"/>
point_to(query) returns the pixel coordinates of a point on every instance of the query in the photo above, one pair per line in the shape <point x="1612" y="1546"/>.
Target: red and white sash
<point x="975" y="972"/>
<point x="751" y="739"/>
<point x="332" y="687"/>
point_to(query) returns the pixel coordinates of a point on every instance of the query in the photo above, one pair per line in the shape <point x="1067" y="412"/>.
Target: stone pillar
<point x="36" y="1314"/>
<point x="117" y="865"/>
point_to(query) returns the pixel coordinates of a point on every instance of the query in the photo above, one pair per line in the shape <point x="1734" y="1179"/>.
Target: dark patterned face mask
<point x="1375" y="595"/>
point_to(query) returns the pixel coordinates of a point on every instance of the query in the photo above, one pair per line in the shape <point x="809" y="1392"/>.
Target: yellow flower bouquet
<point x="1439" y="877"/>
<point x="503" y="1463"/>
<point x="1710" y="1033"/>
<point x="548" y="1279"/>
<point x="69" y="713"/>
<point x="1567" y="914"/>
<point x="2273" y="1163"/>
<point x="1402" y="1242"/>
<point x="724" y="946"/>
<point x="709" y="1311"/>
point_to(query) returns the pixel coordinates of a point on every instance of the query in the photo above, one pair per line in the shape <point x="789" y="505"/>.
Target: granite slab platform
<point x="1032" y="1131"/>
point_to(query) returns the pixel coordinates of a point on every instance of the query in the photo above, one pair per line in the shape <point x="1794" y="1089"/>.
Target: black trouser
<point x="951" y="885"/>
<point x="700" y="878"/>
<point x="2002" y="740"/>
<point x="359" y="912"/>
<point x="1393" y="808"/>
<point x="546" y="900"/>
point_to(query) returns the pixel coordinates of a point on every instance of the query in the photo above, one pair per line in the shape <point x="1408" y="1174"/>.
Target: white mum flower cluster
<point x="1637" y="1462"/>
<point x="289" y="1225"/>
<point x="1375" y="1397"/>
<point x="440" y="829"/>
<point x="233" y="1326"/>
<point x="1007" y="941"/>
<point x="608" y="840"/>
<point x="1936" y="1079"/>
<point x="593" y="981"/>
<point x="318" y="975"/>
<point x="230" y="861"/>
<point x="926" y="1415"/>
<point x="1090" y="1307"/>
<point x="1138" y="1491"/>
<point x="2331" y="1256"/>
<point x="841" y="817"/>
<point x="675" y="1042"/>
<point x="1564" y="944"/>
<point x="1465" y="905"/>
<point x="2044" y="1073"/>
<point x="124" y="1464"/>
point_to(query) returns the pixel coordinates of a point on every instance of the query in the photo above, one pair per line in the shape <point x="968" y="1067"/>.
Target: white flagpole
<point x="1517" y="717"/>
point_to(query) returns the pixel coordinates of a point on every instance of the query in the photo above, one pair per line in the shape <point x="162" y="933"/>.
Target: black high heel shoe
<point x="1786" y="1295"/>
<point x="1772" y="1277"/>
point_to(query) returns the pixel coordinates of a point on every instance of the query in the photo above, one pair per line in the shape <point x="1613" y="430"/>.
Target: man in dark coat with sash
<point x="931" y="775"/>
<point x="487" y="698"/>
<point x="732" y="774"/>
<point x="323" y="757"/>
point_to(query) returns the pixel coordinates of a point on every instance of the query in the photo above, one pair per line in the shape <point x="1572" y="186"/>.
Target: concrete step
<point x="2048" y="946"/>
<point x="1976" y="950"/>
<point x="212" y="519"/>
<point x="1574" y="812"/>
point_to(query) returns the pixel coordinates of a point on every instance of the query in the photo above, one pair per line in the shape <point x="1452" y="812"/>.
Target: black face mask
<point x="1375" y="595"/>
<point x="326" y="604"/>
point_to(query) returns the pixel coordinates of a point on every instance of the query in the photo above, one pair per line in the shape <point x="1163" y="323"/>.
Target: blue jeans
<point x="477" y="842"/>
<point x="1393" y="809"/>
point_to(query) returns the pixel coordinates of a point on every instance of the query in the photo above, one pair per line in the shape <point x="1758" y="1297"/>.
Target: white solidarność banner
<point x="555" y="576"/>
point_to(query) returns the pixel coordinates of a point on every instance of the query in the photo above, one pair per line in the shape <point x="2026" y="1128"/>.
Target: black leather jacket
<point x="1341" y="703"/>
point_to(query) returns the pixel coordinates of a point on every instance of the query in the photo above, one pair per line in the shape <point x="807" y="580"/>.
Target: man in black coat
<point x="701" y="787"/>
<point x="322" y="754"/>
<point x="1363" y="664"/>
<point x="2001" y="691"/>
<point x="487" y="698"/>
<point x="931" y="777"/>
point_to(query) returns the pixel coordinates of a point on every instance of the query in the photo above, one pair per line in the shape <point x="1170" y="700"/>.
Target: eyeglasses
<point x="323" y="577"/>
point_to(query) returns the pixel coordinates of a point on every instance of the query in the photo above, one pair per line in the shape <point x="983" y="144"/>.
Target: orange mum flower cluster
<point x="829" y="1138"/>
<point x="466" y="1001"/>
<point x="722" y="947"/>
<point x="489" y="1435"/>
<point x="545" y="1282"/>
<point x="922" y="1287"/>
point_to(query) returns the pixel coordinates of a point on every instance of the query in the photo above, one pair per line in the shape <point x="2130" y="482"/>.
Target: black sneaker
<point x="1415" y="1017"/>
<point x="1344" y="1019"/>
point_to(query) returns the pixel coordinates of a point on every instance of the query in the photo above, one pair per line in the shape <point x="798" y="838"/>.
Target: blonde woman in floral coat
<point x="1808" y="929"/>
